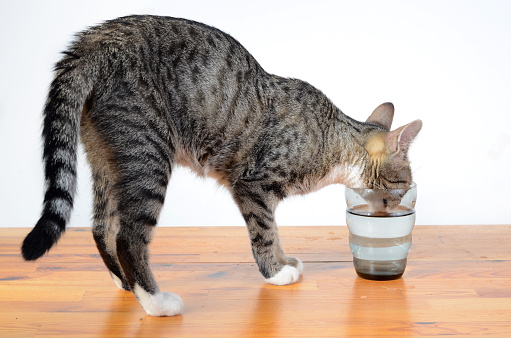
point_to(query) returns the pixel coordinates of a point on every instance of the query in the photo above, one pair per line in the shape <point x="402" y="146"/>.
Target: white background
<point x="445" y="62"/>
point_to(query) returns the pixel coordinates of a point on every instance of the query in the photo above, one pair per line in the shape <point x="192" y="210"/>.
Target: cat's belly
<point x="202" y="170"/>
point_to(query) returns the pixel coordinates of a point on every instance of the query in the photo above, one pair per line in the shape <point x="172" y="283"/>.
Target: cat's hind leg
<point x="105" y="228"/>
<point x="131" y="160"/>
<point x="141" y="192"/>
<point x="105" y="216"/>
<point x="258" y="210"/>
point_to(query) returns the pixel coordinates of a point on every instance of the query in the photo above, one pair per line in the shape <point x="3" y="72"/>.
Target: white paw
<point x="287" y="275"/>
<point x="117" y="281"/>
<point x="161" y="304"/>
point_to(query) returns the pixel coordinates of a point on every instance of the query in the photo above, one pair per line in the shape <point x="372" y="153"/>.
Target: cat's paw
<point x="287" y="275"/>
<point x="119" y="283"/>
<point x="161" y="304"/>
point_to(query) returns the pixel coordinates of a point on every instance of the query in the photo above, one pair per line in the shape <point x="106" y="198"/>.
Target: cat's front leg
<point x="257" y="208"/>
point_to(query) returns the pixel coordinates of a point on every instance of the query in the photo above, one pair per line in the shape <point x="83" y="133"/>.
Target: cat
<point x="146" y="93"/>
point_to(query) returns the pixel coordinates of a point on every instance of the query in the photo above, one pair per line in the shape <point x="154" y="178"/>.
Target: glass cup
<point x="380" y="224"/>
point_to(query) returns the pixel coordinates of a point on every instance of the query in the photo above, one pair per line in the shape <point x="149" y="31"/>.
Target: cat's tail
<point x="61" y="122"/>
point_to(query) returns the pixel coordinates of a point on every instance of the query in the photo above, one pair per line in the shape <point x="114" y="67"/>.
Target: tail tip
<point x="39" y="241"/>
<point x="30" y="250"/>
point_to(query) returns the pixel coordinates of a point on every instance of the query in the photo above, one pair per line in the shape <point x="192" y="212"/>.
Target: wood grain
<point x="457" y="282"/>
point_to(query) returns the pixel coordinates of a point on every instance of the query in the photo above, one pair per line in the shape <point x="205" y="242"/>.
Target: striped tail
<point x="68" y="93"/>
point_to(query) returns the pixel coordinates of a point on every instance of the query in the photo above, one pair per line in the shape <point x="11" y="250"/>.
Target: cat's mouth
<point x="383" y="201"/>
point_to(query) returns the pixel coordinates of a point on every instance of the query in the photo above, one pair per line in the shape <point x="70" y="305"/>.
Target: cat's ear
<point x="382" y="115"/>
<point x="401" y="138"/>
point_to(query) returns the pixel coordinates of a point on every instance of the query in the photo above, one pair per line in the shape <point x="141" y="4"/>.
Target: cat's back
<point x="168" y="40"/>
<point x="146" y="29"/>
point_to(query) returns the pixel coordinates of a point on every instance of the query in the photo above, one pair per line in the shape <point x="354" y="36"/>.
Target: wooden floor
<point x="458" y="282"/>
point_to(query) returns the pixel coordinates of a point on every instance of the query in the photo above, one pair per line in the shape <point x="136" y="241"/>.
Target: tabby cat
<point x="145" y="93"/>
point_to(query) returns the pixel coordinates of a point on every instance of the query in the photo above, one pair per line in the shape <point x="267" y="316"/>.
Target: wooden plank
<point x="457" y="282"/>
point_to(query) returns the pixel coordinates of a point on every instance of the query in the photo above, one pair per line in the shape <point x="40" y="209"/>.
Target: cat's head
<point x="387" y="174"/>
<point x="386" y="152"/>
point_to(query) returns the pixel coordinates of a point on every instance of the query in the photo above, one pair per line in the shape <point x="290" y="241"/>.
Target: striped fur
<point x="146" y="93"/>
